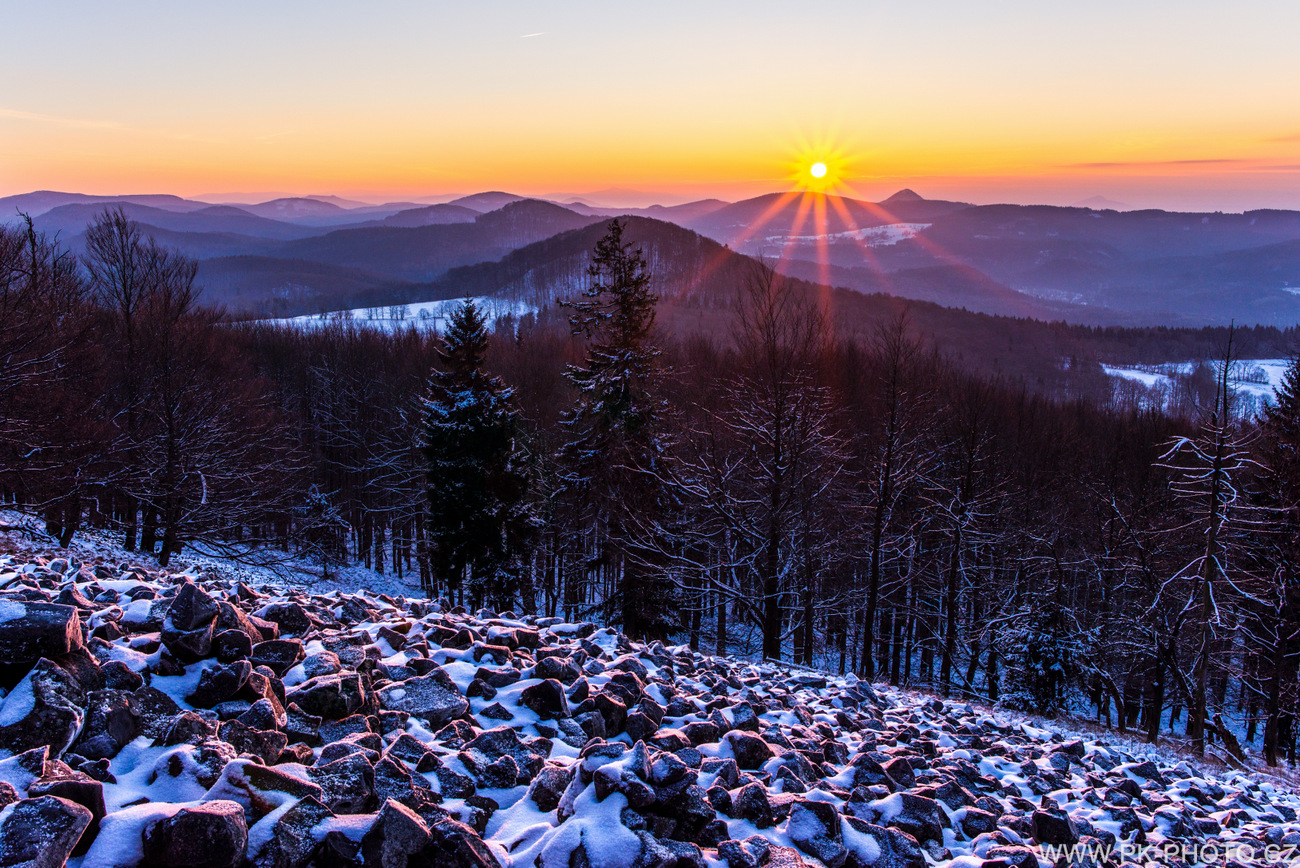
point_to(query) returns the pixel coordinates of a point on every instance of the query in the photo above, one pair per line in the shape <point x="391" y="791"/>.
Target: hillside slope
<point x="425" y="252"/>
<point x="73" y="219"/>
<point x="1079" y="264"/>
<point x="295" y="729"/>
<point x="698" y="282"/>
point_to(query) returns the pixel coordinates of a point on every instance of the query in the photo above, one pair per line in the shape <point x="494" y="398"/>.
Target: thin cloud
<point x="1292" y="137"/>
<point x="90" y="124"/>
<point x="1137" y="164"/>
<point x="15" y="114"/>
<point x="531" y="35"/>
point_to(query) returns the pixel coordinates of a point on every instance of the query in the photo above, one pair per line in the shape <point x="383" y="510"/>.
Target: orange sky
<point x="1188" y="104"/>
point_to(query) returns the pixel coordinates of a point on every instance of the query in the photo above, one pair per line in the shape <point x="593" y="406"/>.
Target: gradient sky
<point x="1186" y="104"/>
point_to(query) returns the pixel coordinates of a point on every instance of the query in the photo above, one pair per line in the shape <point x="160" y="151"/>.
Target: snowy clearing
<point x="1258" y="378"/>
<point x="425" y="315"/>
<point x="874" y="236"/>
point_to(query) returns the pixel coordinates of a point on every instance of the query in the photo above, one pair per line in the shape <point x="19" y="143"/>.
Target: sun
<point x="818" y="172"/>
<point x="819" y="166"/>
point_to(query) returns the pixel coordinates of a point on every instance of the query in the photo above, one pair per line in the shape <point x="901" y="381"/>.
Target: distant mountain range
<point x="1094" y="265"/>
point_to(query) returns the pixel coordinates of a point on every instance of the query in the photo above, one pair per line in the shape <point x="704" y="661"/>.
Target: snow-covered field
<point x="430" y="315"/>
<point x="1258" y="378"/>
<point x="207" y="713"/>
<point x="874" y="236"/>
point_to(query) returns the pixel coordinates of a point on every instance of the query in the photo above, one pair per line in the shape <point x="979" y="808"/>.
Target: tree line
<point x="854" y="502"/>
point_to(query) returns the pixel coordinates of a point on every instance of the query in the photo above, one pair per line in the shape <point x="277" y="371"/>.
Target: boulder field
<point x="154" y="718"/>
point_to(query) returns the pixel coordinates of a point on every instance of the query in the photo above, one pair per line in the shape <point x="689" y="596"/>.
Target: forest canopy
<point x="778" y="487"/>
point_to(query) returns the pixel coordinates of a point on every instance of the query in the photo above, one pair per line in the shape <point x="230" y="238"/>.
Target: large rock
<point x="190" y="624"/>
<point x="32" y="630"/>
<point x="41" y="832"/>
<point x="395" y="838"/>
<point x="278" y="655"/>
<point x="191" y="608"/>
<point x="157" y="711"/>
<point x="45" y="708"/>
<point x="815" y="828"/>
<point x="259" y="789"/>
<point x="869" y="773"/>
<point x="333" y="697"/>
<point x="750" y="750"/>
<point x="548" y="787"/>
<point x="211" y="835"/>
<point x="1053" y="827"/>
<point x="203" y="765"/>
<point x="230" y="618"/>
<point x="701" y="732"/>
<point x="393" y="781"/>
<point x="750" y="853"/>
<point x="752" y="804"/>
<point x="678" y="854"/>
<point x="219" y="683"/>
<point x="292" y="839"/>
<point x="230" y="645"/>
<point x="113" y="720"/>
<point x="916" y="815"/>
<point x="561" y="669"/>
<point x="80" y="789"/>
<point x="871" y="846"/>
<point x="266" y="745"/>
<point x="292" y="619"/>
<point x="546" y="699"/>
<point x="400" y="838"/>
<point x="529" y="757"/>
<point x="348" y="784"/>
<point x="900" y="769"/>
<point x="433" y="697"/>
<point x="456" y="845"/>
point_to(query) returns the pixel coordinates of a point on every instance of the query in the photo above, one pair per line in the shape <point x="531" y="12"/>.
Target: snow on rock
<point x="32" y="630"/>
<point x="299" y="728"/>
<point x="41" y="832"/>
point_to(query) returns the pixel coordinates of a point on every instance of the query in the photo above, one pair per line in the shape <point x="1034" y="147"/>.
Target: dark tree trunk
<point x="721" y="644"/>
<point x="991" y="673"/>
<point x="149" y="531"/>
<point x="771" y="566"/>
<point x="950" y="609"/>
<point x="130" y="518"/>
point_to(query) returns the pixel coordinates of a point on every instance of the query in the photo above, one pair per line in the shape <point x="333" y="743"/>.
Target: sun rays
<point x="818" y="218"/>
<point x="819" y="166"/>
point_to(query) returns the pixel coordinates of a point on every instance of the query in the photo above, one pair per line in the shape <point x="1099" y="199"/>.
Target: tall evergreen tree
<point x="479" y="519"/>
<point x="1273" y="625"/>
<point x="615" y="446"/>
<point x="1281" y="429"/>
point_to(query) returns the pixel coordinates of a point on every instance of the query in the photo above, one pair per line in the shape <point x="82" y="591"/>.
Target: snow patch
<point x="422" y="316"/>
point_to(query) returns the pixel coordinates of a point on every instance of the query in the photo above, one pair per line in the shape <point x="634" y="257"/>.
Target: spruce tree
<point x="1274" y="624"/>
<point x="616" y="437"/>
<point x="1281" y="429"/>
<point x="479" y="519"/>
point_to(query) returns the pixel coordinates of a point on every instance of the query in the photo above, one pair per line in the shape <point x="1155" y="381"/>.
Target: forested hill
<point x="427" y="251"/>
<point x="1081" y="265"/>
<point x="779" y="470"/>
<point x="698" y="282"/>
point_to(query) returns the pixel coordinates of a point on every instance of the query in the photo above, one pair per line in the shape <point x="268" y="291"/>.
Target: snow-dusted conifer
<point x="479" y="520"/>
<point x="1273" y="624"/>
<point x="615" y="432"/>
